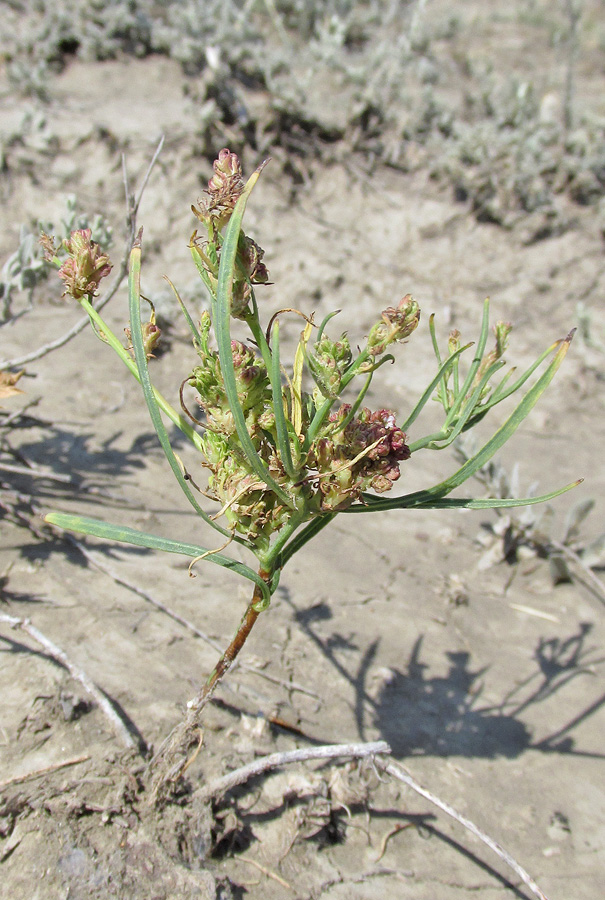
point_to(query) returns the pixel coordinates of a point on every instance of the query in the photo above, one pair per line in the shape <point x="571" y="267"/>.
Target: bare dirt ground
<point x="434" y="631"/>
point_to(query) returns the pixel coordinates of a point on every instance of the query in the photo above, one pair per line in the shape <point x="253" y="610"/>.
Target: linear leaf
<point x="223" y="338"/>
<point x="447" y="365"/>
<point x="281" y="424"/>
<point x="134" y="293"/>
<point x="185" y="311"/>
<point x="510" y="425"/>
<point x="427" y="501"/>
<point x="126" y="535"/>
<point x="476" y="462"/>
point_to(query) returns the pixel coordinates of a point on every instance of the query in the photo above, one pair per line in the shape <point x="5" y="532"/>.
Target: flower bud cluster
<point x="328" y="362"/>
<point x="253" y="271"/>
<point x="396" y="325"/>
<point x="250" y="508"/>
<point x="253" y="387"/>
<point x="85" y="266"/>
<point x="151" y="336"/>
<point x="224" y="190"/>
<point x="365" y="453"/>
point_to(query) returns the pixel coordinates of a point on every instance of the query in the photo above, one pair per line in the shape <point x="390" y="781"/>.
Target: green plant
<point x="287" y="451"/>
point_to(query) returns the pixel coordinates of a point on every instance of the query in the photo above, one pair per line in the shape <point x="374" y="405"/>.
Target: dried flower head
<point x="85" y="266"/>
<point x="397" y="324"/>
<point x="224" y="190"/>
<point x="357" y="453"/>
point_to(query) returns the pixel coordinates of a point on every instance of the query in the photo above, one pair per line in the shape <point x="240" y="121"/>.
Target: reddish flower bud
<point x="85" y="267"/>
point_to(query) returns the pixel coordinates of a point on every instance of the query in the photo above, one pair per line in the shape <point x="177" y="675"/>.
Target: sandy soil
<point x="484" y="677"/>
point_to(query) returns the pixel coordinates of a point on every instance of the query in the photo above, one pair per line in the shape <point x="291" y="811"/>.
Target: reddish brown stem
<point x="174" y="755"/>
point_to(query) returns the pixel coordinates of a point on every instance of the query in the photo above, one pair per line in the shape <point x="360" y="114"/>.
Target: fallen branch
<point x="35" y="472"/>
<point x="76" y="672"/>
<point x="39" y="773"/>
<point x="395" y="770"/>
<point x="265" y="871"/>
<point x="220" y="786"/>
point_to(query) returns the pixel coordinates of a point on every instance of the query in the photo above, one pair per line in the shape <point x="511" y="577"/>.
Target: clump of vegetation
<point x="502" y="146"/>
<point x="287" y="449"/>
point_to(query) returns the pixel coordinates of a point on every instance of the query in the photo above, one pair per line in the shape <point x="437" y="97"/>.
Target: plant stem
<point x="173" y="756"/>
<point x="129" y="362"/>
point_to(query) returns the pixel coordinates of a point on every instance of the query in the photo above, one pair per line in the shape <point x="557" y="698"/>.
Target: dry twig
<point x="220" y="786"/>
<point x="265" y="871"/>
<point x="583" y="573"/>
<point x="39" y="773"/>
<point x="395" y="770"/>
<point x="35" y="472"/>
<point x="76" y="672"/>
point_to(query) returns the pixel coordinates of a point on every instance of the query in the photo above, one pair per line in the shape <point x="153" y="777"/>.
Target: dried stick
<point x="133" y="207"/>
<point x="171" y="760"/>
<point x="76" y="672"/>
<point x="220" y="786"/>
<point x="395" y="770"/>
<point x="39" y="773"/>
<point x="265" y="871"/>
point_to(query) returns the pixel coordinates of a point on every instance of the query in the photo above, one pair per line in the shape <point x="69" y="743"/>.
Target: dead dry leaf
<point x="8" y="380"/>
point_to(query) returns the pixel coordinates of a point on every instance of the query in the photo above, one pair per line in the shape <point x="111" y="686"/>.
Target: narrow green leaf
<point x="442" y="390"/>
<point x="324" y="322"/>
<point x="109" y="337"/>
<point x="190" y="323"/>
<point x="512" y="423"/>
<point x="427" y="501"/>
<point x="125" y="535"/>
<point x="465" y="419"/>
<point x="468" y="381"/>
<point x="501" y="394"/>
<point x="134" y="292"/>
<point x="199" y="264"/>
<point x="447" y="365"/>
<point x="476" y="462"/>
<point x="223" y="339"/>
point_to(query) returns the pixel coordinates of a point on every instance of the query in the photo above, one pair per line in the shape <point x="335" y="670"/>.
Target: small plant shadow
<point x="439" y="716"/>
<point x="443" y="715"/>
<point x="66" y="453"/>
